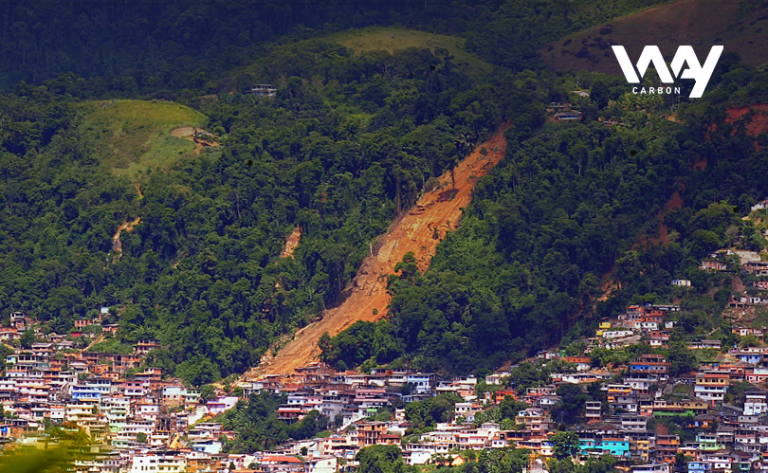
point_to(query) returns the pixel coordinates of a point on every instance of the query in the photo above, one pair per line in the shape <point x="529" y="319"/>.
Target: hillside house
<point x="19" y="321"/>
<point x="659" y="338"/>
<point x="9" y="333"/>
<point x="758" y="268"/>
<point x="711" y="386"/>
<point x="569" y="116"/>
<point x="555" y="107"/>
<point x="583" y="363"/>
<point x="681" y="282"/>
<point x="762" y="205"/>
<point x="706" y="345"/>
<point x="263" y="90"/>
<point x="712" y="265"/>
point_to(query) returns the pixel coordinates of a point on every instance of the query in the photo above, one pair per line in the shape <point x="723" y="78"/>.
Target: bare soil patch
<point x="758" y="124"/>
<point x="195" y="135"/>
<point x="420" y="231"/>
<point x="291" y="243"/>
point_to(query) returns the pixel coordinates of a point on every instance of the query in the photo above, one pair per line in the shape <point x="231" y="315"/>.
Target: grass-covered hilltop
<point x="140" y="173"/>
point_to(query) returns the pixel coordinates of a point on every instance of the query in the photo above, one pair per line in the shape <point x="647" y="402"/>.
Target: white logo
<point x="684" y="55"/>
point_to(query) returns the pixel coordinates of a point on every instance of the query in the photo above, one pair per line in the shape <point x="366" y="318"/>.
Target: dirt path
<point x="190" y="132"/>
<point x="96" y="340"/>
<point x="117" y="247"/>
<point x="419" y="231"/>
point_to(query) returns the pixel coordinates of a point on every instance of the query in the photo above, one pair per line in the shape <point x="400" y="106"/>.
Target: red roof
<point x="281" y="459"/>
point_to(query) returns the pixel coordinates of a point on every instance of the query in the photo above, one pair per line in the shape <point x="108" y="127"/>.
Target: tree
<point x="141" y="437"/>
<point x="380" y="459"/>
<point x="565" y="444"/>
<point x="573" y="401"/>
<point x="749" y="341"/>
<point x="208" y="392"/>
<point x="600" y="94"/>
<point x="27" y="338"/>
<point x="681" y="359"/>
<point x="509" y="407"/>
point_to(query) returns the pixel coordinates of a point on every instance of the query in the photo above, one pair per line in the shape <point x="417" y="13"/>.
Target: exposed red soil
<point x="610" y="284"/>
<point x="757" y="125"/>
<point x="291" y="243"/>
<point x="700" y="164"/>
<point x="674" y="202"/>
<point x="662" y="429"/>
<point x="419" y="231"/>
<point x="754" y="125"/>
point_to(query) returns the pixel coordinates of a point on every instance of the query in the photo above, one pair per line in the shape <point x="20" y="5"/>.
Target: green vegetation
<point x="430" y="411"/>
<point x="350" y="140"/>
<point x="183" y="51"/>
<point x="565" y="444"/>
<point x="63" y="449"/>
<point x="382" y="459"/>
<point x="133" y="137"/>
<point x="258" y="428"/>
<point x="112" y="345"/>
<point x="201" y="271"/>
<point x="603" y="464"/>
<point x="398" y="39"/>
<point x="388" y="459"/>
<point x="565" y="209"/>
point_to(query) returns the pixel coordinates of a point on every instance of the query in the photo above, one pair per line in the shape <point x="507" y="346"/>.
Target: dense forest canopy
<point x="565" y="214"/>
<point x="201" y="273"/>
<point x="348" y="142"/>
<point x="161" y="48"/>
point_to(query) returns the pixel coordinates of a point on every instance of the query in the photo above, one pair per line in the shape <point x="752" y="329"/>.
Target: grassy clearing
<point x="398" y="39"/>
<point x="134" y="136"/>
<point x="112" y="345"/>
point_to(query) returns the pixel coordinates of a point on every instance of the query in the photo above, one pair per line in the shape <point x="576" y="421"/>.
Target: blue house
<point x="615" y="447"/>
<point x="698" y="467"/>
<point x="751" y="358"/>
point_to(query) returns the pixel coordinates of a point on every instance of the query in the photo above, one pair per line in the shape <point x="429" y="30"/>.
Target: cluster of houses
<point x="726" y="260"/>
<point x="145" y="422"/>
<point x="637" y="398"/>
<point x="748" y="263"/>
<point x="627" y="423"/>
<point x="640" y="324"/>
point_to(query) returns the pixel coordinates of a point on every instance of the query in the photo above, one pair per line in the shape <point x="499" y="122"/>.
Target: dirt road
<point x="419" y="231"/>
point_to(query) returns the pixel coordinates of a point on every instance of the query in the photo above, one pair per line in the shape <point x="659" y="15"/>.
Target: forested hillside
<point x="562" y="219"/>
<point x="163" y="48"/>
<point x="350" y="140"/>
<point x="201" y="273"/>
